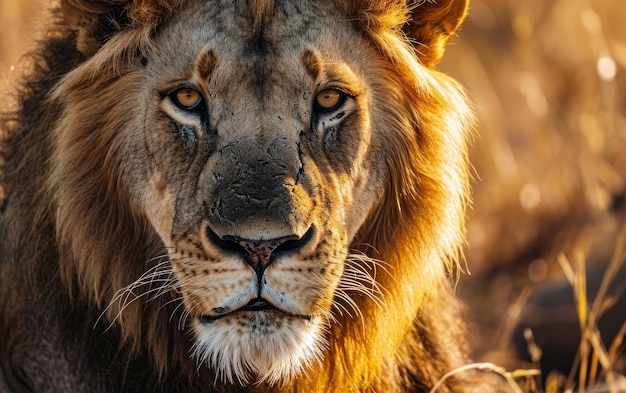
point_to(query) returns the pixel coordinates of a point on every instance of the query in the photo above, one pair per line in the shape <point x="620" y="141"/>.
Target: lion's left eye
<point x="187" y="99"/>
<point x="328" y="100"/>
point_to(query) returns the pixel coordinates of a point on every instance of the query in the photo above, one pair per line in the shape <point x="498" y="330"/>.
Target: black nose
<point x="260" y="253"/>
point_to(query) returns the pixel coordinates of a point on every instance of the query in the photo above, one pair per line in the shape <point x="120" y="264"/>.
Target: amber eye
<point x="187" y="99"/>
<point x="328" y="100"/>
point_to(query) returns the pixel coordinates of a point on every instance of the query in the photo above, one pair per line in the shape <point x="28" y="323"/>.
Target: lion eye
<point x="187" y="99"/>
<point x="328" y="100"/>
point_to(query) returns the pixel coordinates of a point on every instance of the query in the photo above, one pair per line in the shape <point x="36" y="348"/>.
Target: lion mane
<point x="122" y="255"/>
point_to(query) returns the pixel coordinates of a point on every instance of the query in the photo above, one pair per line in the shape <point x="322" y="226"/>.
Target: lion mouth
<point x="258" y="304"/>
<point x="255" y="305"/>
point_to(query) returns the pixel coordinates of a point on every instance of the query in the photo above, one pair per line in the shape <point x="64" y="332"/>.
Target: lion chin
<point x="258" y="346"/>
<point x="235" y="196"/>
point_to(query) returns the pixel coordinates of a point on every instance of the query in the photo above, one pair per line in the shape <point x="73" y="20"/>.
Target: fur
<point x="104" y="239"/>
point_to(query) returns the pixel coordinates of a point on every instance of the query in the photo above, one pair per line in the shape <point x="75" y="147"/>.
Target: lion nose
<point x="260" y="253"/>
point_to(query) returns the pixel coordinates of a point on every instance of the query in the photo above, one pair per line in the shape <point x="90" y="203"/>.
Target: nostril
<point x="260" y="253"/>
<point x="226" y="243"/>
<point x="294" y="244"/>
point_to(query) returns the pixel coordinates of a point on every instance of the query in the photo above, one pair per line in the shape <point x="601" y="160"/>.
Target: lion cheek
<point x="158" y="206"/>
<point x="357" y="193"/>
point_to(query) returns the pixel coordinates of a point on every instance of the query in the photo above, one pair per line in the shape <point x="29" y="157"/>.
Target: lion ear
<point x="95" y="22"/>
<point x="430" y="25"/>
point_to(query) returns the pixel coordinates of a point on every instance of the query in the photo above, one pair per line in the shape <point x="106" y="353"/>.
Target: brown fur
<point x="73" y="236"/>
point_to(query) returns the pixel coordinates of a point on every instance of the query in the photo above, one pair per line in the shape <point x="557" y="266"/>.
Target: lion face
<point x="258" y="161"/>
<point x="263" y="171"/>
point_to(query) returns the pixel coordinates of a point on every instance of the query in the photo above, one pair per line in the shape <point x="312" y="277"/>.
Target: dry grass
<point x="595" y="367"/>
<point x="548" y="79"/>
<point x="594" y="361"/>
<point x="511" y="378"/>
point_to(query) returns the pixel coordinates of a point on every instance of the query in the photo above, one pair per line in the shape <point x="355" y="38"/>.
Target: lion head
<point x="274" y="191"/>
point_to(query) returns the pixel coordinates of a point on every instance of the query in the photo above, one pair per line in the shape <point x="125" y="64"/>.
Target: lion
<point x="235" y="196"/>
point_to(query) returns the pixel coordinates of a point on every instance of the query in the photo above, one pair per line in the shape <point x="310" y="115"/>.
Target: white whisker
<point x="359" y="278"/>
<point x="159" y="279"/>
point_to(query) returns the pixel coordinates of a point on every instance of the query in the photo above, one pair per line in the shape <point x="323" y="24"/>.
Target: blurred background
<point x="548" y="82"/>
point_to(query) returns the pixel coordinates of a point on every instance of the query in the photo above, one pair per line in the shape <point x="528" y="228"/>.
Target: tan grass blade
<point x="485" y="366"/>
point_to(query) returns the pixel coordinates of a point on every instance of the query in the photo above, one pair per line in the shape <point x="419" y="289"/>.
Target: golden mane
<point x="103" y="243"/>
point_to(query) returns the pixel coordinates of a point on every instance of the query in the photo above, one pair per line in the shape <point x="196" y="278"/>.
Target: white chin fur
<point x="259" y="347"/>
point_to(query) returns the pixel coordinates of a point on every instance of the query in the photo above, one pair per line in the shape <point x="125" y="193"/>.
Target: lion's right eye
<point x="187" y="99"/>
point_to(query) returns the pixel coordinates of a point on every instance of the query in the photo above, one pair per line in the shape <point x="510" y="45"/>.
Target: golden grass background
<point x="548" y="81"/>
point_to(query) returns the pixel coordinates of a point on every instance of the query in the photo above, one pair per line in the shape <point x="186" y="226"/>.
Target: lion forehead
<point x="252" y="52"/>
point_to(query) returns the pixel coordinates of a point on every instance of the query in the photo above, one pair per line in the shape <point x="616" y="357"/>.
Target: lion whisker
<point x="160" y="274"/>
<point x="359" y="278"/>
<point x="182" y="319"/>
<point x="359" y="284"/>
<point x="358" y="256"/>
<point x="328" y="317"/>
<point x="184" y="315"/>
<point x="342" y="306"/>
<point x="130" y="297"/>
